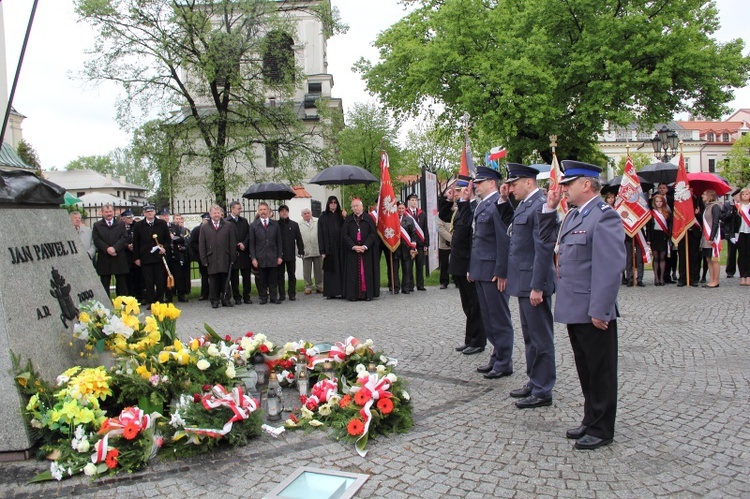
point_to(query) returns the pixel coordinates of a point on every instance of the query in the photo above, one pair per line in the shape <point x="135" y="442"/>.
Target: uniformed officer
<point x="488" y="269"/>
<point x="591" y="258"/>
<point x="531" y="278"/>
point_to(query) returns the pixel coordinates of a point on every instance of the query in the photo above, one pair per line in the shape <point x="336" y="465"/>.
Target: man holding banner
<point x="634" y="211"/>
<point x="683" y="232"/>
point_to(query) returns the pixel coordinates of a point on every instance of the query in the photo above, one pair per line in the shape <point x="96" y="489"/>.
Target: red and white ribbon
<point x="375" y="388"/>
<point x="237" y="401"/>
<point x="714" y="239"/>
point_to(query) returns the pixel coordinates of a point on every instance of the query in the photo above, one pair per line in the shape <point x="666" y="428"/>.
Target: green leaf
<point x="214" y="335"/>
<point x="44" y="476"/>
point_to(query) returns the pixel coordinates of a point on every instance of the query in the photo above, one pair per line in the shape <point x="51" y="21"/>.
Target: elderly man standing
<point x="84" y="233"/>
<point x="266" y="253"/>
<point x="531" y="278"/>
<point x="110" y="238"/>
<point x="217" y="246"/>
<point x="488" y="269"/>
<point x="312" y="263"/>
<point x="358" y="237"/>
<point x="590" y="259"/>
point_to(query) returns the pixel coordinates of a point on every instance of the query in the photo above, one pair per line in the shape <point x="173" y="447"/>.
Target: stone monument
<point x="46" y="274"/>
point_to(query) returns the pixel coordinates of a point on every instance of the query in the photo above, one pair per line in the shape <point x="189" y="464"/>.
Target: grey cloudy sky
<point x="67" y="118"/>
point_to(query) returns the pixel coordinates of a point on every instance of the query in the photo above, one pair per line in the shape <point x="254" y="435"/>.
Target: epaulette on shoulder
<point x="603" y="206"/>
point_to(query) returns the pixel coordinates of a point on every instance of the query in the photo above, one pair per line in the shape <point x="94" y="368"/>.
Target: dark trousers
<point x="403" y="283"/>
<point x="498" y="325"/>
<point x="247" y="285"/>
<point x="474" y="336"/>
<point x="121" y="288"/>
<point x="419" y="262"/>
<point x="731" y="268"/>
<point x="266" y="283"/>
<point x="629" y="242"/>
<point x="216" y="285"/>
<point x="595" y="353"/>
<point x="289" y="268"/>
<point x="743" y="254"/>
<point x="539" y="345"/>
<point x="204" y="280"/>
<point x="178" y="271"/>
<point x="133" y="282"/>
<point x="692" y="239"/>
<point x="389" y="257"/>
<point x="443" y="262"/>
<point x="154" y="277"/>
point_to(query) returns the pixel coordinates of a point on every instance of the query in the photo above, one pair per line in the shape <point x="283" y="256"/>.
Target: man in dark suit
<point x="242" y="264"/>
<point x="218" y="250"/>
<point x="488" y="269"/>
<point x="179" y="263"/>
<point x="151" y="245"/>
<point x="422" y="240"/>
<point x="458" y="266"/>
<point x="266" y="253"/>
<point x="133" y="279"/>
<point x="531" y="278"/>
<point x="291" y="237"/>
<point x="591" y="258"/>
<point x="110" y="238"/>
<point x="195" y="254"/>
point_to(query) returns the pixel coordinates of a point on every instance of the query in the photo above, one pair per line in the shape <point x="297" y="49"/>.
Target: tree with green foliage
<point x="737" y="163"/>
<point x="28" y="154"/>
<point x="434" y="148"/>
<point x="528" y="69"/>
<point x="211" y="67"/>
<point x="118" y="163"/>
<point x="639" y="161"/>
<point x="369" y="129"/>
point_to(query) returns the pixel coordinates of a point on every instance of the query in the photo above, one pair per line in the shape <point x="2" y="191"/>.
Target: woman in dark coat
<point x="659" y="235"/>
<point x="329" y="243"/>
<point x="359" y="237"/>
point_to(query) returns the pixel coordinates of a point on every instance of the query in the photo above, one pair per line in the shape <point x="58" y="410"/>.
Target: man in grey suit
<point x="265" y="248"/>
<point x="591" y="258"/>
<point x="531" y="278"/>
<point x="488" y="269"/>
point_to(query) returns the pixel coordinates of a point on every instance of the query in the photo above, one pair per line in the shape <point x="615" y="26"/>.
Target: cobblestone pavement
<point x="682" y="425"/>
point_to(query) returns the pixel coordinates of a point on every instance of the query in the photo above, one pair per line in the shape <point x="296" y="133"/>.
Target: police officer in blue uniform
<point x="531" y="278"/>
<point x="591" y="258"/>
<point x="488" y="269"/>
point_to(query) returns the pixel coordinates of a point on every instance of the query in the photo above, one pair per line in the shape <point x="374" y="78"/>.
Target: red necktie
<point x="265" y="224"/>
<point x="216" y="225"/>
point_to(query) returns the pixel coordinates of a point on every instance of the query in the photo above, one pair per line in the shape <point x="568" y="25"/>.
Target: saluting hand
<point x="553" y="197"/>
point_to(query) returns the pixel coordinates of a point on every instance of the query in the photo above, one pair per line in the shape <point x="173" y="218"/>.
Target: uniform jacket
<point x="242" y="235"/>
<point x="290" y="235"/>
<point x="218" y="247"/>
<point x="143" y="241"/>
<point x="265" y="243"/>
<point x="404" y="250"/>
<point x="421" y="218"/>
<point x="115" y="236"/>
<point x="461" y="238"/>
<point x="530" y="262"/>
<point x="591" y="258"/>
<point x="489" y="249"/>
<point x="309" y="237"/>
<point x="180" y="236"/>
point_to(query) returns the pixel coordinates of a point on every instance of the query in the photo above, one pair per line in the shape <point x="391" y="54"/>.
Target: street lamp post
<point x="665" y="143"/>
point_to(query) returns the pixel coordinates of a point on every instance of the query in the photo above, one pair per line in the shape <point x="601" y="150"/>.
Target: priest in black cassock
<point x="359" y="237"/>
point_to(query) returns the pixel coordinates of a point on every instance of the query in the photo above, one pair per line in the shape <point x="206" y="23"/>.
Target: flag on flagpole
<point x="633" y="208"/>
<point x="467" y="170"/>
<point x="499" y="153"/>
<point x="389" y="228"/>
<point x="684" y="212"/>
<point x="554" y="180"/>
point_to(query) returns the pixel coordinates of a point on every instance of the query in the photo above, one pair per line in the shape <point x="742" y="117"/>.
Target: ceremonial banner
<point x="554" y="180"/>
<point x="389" y="228"/>
<point x="684" y="212"/>
<point x="467" y="170"/>
<point x="630" y="203"/>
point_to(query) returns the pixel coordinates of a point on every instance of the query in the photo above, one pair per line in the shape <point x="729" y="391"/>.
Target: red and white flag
<point x="683" y="216"/>
<point x="389" y="228"/>
<point x="555" y="174"/>
<point x="632" y="207"/>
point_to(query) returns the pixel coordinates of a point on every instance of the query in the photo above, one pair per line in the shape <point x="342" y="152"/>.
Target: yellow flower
<point x="178" y="345"/>
<point x="117" y="303"/>
<point x="131" y="321"/>
<point x="131" y="305"/>
<point x="93" y="382"/>
<point x="151" y="325"/>
<point x="183" y="357"/>
<point x="84" y="318"/>
<point x="164" y="357"/>
<point x="72" y="371"/>
<point x="143" y="371"/>
<point x="33" y="401"/>
<point x="70" y="410"/>
<point x="194" y="345"/>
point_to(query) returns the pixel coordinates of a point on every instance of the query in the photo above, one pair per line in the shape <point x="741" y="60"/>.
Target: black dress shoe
<point x="520" y="393"/>
<point x="237" y="302"/>
<point x="263" y="301"/>
<point x="576" y="433"/>
<point x="277" y="302"/>
<point x="640" y="284"/>
<point x="214" y="304"/>
<point x="422" y="289"/>
<point x="282" y="298"/>
<point x="404" y="292"/>
<point x="182" y="299"/>
<point x="589" y="442"/>
<point x="531" y="401"/>
<point x="443" y="286"/>
<point x="226" y="303"/>
<point x="473" y="350"/>
<point x="462" y="348"/>
<point x="203" y="298"/>
<point x="484" y="369"/>
<point x="248" y="301"/>
<point x="292" y="298"/>
<point x="693" y="284"/>
<point x="680" y="284"/>
<point x="497" y="374"/>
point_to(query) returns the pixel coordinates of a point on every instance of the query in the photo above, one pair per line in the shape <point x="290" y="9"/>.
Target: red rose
<point x="293" y="418"/>
<point x="249" y="334"/>
<point x="228" y="338"/>
<point x="302" y="351"/>
<point x="302" y="399"/>
<point x="263" y="348"/>
<point x="290" y="376"/>
<point x="206" y="388"/>
<point x="311" y="404"/>
<point x="196" y="397"/>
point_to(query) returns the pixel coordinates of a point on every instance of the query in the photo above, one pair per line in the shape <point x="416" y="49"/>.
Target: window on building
<point x="314" y="88"/>
<point x="80" y="193"/>
<point x="712" y="165"/>
<point x="278" y="59"/>
<point x="725" y="137"/>
<point x="272" y="154"/>
<point x="687" y="164"/>
<point x="118" y="194"/>
<point x="710" y="137"/>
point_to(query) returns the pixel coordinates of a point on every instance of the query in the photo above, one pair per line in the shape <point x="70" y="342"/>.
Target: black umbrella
<point x="269" y="190"/>
<point x="659" y="173"/>
<point x="344" y="175"/>
<point x="614" y="185"/>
